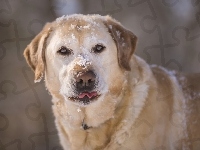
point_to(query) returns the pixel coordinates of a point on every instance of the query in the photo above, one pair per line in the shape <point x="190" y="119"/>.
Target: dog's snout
<point x="85" y="81"/>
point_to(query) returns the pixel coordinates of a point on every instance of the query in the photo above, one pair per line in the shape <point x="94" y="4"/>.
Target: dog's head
<point x="82" y="57"/>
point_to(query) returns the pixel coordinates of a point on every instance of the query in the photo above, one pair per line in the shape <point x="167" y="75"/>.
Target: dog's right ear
<point x="35" y="53"/>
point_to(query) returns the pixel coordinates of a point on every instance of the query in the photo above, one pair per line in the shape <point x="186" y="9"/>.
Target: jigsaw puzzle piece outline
<point x="6" y="122"/>
<point x="110" y="12"/>
<point x="46" y="133"/>
<point x="16" y="141"/>
<point x="17" y="39"/>
<point x="9" y="11"/>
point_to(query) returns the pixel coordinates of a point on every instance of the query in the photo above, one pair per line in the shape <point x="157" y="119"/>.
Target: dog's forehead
<point x="80" y="25"/>
<point x="79" y="30"/>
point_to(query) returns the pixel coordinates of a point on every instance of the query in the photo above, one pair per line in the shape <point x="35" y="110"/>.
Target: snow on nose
<point x="83" y="61"/>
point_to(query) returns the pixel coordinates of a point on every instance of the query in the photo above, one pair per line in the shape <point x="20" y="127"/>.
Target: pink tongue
<point x="90" y="95"/>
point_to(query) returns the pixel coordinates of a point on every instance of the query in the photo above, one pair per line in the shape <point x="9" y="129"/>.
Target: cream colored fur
<point x="140" y="107"/>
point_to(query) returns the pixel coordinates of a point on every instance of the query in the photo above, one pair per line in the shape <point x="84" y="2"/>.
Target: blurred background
<point x="168" y="34"/>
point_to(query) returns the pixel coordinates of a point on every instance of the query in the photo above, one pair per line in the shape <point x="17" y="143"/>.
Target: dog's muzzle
<point x="85" y="81"/>
<point x="85" y="84"/>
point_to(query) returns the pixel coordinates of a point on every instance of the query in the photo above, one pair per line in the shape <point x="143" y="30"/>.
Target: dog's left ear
<point x="35" y="53"/>
<point x="125" y="41"/>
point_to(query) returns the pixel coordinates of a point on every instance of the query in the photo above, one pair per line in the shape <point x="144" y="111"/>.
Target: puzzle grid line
<point x="29" y="101"/>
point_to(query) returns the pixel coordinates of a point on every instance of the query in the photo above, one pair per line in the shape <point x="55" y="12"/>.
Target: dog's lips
<point x="87" y="94"/>
<point x="85" y="97"/>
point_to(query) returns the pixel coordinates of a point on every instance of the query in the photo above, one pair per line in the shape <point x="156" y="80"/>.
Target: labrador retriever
<point x="107" y="98"/>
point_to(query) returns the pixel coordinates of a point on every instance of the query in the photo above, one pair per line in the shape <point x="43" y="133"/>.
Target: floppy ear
<point x="35" y="53"/>
<point x="125" y="41"/>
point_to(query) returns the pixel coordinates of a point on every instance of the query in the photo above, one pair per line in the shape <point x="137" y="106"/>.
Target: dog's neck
<point x="83" y="126"/>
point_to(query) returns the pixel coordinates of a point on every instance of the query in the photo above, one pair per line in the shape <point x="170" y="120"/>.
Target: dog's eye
<point x="64" y="51"/>
<point x="98" y="48"/>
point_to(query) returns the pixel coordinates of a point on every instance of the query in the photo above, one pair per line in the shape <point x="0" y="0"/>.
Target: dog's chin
<point x="84" y="100"/>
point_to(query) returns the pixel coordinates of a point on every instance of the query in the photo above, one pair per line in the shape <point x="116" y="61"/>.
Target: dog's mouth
<point x="85" y="97"/>
<point x="87" y="94"/>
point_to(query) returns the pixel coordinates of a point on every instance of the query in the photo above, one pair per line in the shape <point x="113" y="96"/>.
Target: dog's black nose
<point x="85" y="81"/>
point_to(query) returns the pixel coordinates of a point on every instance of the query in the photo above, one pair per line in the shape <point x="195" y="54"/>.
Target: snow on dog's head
<point x="84" y="58"/>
